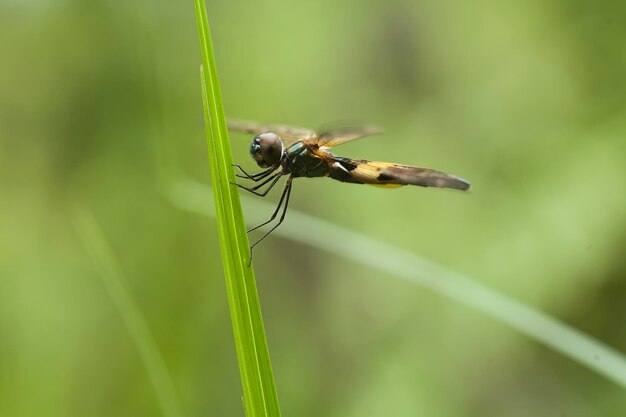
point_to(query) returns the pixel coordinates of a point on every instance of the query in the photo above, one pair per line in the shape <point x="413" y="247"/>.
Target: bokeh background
<point x="100" y="107"/>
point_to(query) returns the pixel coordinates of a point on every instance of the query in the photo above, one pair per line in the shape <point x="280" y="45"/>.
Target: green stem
<point x="259" y="390"/>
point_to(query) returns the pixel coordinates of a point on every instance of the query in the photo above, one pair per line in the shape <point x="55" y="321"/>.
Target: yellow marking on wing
<point x="387" y="185"/>
<point x="375" y="172"/>
<point x="288" y="134"/>
<point x="332" y="138"/>
<point x="367" y="172"/>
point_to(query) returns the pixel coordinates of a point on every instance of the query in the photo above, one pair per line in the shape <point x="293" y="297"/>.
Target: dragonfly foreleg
<point x="274" y="178"/>
<point x="254" y="177"/>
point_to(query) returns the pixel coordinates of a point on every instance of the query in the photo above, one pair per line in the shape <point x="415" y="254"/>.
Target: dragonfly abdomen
<point x="392" y="175"/>
<point x="341" y="170"/>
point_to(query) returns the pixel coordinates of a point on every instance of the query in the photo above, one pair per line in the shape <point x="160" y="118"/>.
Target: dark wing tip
<point x="426" y="177"/>
<point x="458" y="183"/>
<point x="441" y="180"/>
<point x="237" y="125"/>
<point x="241" y="126"/>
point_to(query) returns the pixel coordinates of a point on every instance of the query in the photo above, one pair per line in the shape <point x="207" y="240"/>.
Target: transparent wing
<point x="287" y="133"/>
<point x="336" y="137"/>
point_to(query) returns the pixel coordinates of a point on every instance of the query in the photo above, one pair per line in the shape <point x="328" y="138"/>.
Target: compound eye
<point x="266" y="149"/>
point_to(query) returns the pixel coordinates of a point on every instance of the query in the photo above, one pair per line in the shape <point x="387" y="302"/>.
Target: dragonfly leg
<point x="239" y="167"/>
<point x="280" y="203"/>
<point x="286" y="193"/>
<point x="254" y="177"/>
<point x="274" y="178"/>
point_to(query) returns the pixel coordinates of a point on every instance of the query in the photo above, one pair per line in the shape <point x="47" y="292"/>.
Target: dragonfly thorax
<point x="266" y="149"/>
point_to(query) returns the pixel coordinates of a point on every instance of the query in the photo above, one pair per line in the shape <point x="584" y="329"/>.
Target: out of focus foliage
<point x="100" y="104"/>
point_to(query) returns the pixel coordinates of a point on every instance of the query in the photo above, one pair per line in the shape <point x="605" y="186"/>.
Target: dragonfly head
<point x="266" y="149"/>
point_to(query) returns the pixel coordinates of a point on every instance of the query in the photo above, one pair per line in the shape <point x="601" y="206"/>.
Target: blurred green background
<point x="100" y="106"/>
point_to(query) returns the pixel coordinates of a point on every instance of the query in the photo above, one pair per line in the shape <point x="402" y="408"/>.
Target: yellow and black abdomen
<point x="342" y="169"/>
<point x="391" y="175"/>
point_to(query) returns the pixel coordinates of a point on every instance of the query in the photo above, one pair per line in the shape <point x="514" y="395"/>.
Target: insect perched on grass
<point x="298" y="152"/>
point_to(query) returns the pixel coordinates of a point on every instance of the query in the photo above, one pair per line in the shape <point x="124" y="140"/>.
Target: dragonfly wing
<point x="335" y="137"/>
<point x="288" y="134"/>
<point x="393" y="175"/>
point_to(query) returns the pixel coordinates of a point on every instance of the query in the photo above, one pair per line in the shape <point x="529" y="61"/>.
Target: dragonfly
<point x="295" y="152"/>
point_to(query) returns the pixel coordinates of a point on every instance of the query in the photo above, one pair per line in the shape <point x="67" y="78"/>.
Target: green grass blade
<point x="325" y="236"/>
<point x="110" y="273"/>
<point x="259" y="390"/>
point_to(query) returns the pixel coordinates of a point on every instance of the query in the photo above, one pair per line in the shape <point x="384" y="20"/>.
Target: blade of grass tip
<point x="325" y="236"/>
<point x="257" y="378"/>
<point x="110" y="272"/>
